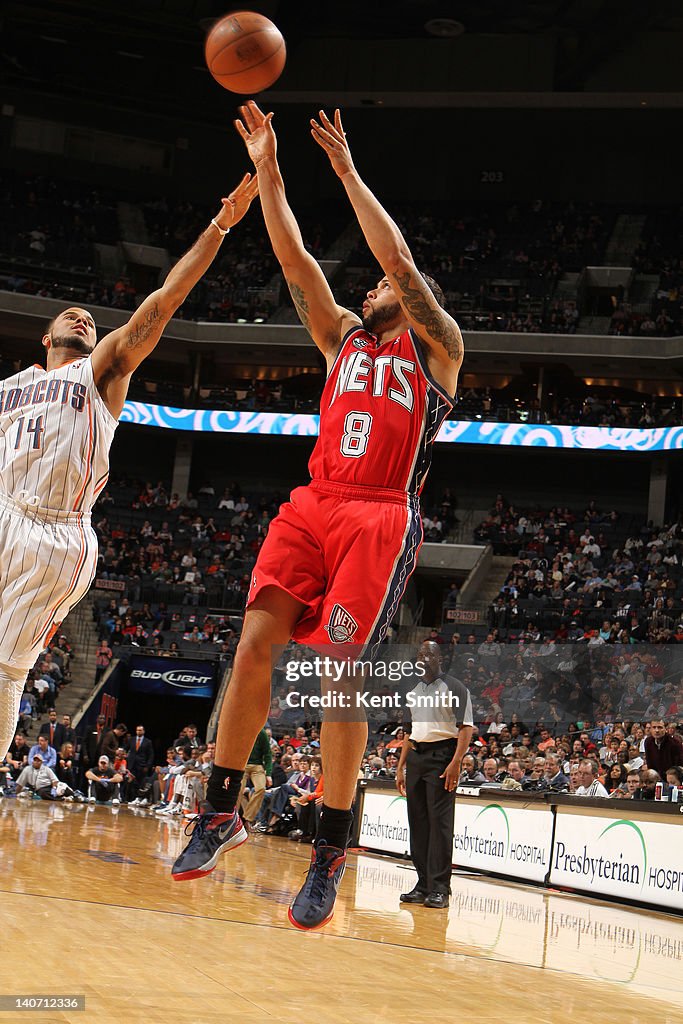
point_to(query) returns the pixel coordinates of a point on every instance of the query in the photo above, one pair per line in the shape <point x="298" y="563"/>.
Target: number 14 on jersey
<point x="34" y="427"/>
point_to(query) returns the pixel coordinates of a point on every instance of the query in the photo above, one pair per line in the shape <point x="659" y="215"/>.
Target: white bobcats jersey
<point x="55" y="435"/>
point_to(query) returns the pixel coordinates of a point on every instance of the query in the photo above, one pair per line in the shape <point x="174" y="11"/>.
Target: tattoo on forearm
<point x="300" y="304"/>
<point x="140" y="333"/>
<point x="439" y="328"/>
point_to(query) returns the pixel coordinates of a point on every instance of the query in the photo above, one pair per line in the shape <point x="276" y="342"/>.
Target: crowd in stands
<point x="632" y="742"/>
<point x="663" y="320"/>
<point x="585" y="576"/>
<point x="499" y="264"/>
<point x="598" y="408"/>
<point x="194" y="551"/>
<point x="50" y="228"/>
<point x="629" y="745"/>
<point x="55" y="222"/>
<point x="516" y="403"/>
<point x="300" y="393"/>
<point x="46" y="680"/>
<point x="581" y="644"/>
<point x="48" y="761"/>
<point x="622" y="759"/>
<point x="178" y="557"/>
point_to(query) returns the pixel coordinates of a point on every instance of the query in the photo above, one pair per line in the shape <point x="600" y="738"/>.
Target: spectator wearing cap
<point x="103" y="782"/>
<point x="37" y="777"/>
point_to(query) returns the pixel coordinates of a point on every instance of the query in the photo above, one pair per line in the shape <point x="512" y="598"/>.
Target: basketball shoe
<point x="213" y="834"/>
<point x="313" y="907"/>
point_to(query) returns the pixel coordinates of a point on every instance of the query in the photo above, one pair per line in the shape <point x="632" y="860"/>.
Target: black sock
<point x="224" y="788"/>
<point x="334" y="826"/>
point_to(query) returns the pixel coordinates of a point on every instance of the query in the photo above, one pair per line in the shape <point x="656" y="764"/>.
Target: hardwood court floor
<point x="87" y="907"/>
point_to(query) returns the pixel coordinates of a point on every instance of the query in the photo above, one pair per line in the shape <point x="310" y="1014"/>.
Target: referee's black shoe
<point x="437" y="901"/>
<point x="414" y="896"/>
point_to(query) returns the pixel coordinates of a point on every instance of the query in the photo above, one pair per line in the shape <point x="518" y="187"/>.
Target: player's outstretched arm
<point x="315" y="304"/>
<point x="435" y="327"/>
<point x="118" y="355"/>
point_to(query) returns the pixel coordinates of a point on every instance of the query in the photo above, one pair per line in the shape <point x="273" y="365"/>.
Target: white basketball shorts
<point x="47" y="563"/>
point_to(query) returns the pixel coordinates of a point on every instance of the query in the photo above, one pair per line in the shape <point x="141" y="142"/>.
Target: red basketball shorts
<point x="346" y="553"/>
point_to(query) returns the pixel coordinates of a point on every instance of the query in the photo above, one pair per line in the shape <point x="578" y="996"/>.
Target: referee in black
<point x="428" y="773"/>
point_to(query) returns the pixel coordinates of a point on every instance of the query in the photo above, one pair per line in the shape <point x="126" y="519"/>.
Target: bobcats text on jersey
<point x="44" y="391"/>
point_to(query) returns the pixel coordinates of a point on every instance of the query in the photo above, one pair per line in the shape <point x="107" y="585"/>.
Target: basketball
<point x="245" y="52"/>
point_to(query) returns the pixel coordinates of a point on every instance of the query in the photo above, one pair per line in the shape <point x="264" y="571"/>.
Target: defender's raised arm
<point x="118" y="355"/>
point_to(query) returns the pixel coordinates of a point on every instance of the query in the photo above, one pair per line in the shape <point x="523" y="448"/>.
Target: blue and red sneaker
<point x="213" y="834"/>
<point x="313" y="907"/>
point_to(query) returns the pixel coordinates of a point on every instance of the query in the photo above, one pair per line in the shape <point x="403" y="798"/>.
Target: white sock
<point x="11" y="688"/>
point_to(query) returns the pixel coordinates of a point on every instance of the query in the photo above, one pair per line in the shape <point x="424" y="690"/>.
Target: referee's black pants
<point x="431" y="812"/>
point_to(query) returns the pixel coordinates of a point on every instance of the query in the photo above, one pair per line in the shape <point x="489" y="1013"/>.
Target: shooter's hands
<point x="256" y="131"/>
<point x="332" y="138"/>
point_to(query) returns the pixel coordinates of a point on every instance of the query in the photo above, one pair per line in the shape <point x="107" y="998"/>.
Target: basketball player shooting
<point x="337" y="558"/>
<point x="56" y="428"/>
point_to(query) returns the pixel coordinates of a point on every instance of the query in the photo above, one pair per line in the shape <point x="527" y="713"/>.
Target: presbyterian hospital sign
<point x="563" y="845"/>
<point x="637" y="860"/>
<point x="503" y="839"/>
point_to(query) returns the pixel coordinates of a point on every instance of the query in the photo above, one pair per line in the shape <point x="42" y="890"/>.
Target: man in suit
<point x="69" y="731"/>
<point x="141" y="764"/>
<point x="554" y="778"/>
<point x="53" y="729"/>
<point x="90" y="747"/>
<point x="188" y="737"/>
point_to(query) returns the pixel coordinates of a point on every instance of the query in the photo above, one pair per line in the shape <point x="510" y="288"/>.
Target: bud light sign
<point x="172" y="677"/>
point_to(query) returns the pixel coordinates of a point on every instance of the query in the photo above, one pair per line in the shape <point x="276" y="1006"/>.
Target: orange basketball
<point x="245" y="52"/>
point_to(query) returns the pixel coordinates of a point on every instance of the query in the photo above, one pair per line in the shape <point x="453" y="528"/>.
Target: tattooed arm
<point x="323" y="318"/>
<point x="437" y="330"/>
<point x="120" y="353"/>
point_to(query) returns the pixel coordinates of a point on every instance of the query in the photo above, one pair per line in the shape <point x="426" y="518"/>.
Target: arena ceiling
<point x="110" y="50"/>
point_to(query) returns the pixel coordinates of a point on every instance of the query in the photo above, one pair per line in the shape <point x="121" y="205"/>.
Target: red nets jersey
<point x="380" y="413"/>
